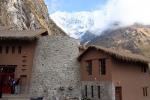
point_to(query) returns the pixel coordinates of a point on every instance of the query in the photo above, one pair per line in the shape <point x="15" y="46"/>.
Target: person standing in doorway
<point x="17" y="86"/>
<point x="11" y="83"/>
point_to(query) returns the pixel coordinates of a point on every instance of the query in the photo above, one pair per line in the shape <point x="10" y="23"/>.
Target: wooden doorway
<point x="6" y="72"/>
<point x="23" y="84"/>
<point x="118" y="93"/>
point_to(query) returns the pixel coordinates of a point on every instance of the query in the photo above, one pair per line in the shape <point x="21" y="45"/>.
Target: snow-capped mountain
<point x="79" y="24"/>
<point x="103" y="17"/>
<point x="75" y="24"/>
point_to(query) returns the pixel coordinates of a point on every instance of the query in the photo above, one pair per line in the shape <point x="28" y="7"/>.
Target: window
<point x="89" y="67"/>
<point x="92" y="92"/>
<point x="143" y="69"/>
<point x="13" y="50"/>
<point x="102" y="66"/>
<point x="0" y="12"/>
<point x="85" y="90"/>
<point x="24" y="65"/>
<point x="1" y="49"/>
<point x="24" y="56"/>
<point x="99" y="95"/>
<point x="7" y="50"/>
<point x="145" y="92"/>
<point x="19" y="49"/>
<point x="24" y="60"/>
<point x="23" y="70"/>
<point x="7" y="68"/>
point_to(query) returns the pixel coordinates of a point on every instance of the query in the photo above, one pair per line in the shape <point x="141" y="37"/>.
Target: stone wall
<point x="106" y="90"/>
<point x="55" y="73"/>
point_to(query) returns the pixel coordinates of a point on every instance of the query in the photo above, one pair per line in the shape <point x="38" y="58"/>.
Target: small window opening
<point x="144" y="69"/>
<point x="1" y="49"/>
<point x="145" y="92"/>
<point x="85" y="90"/>
<point x="99" y="95"/>
<point x="19" y="49"/>
<point x="89" y="67"/>
<point x="102" y="66"/>
<point x="92" y="88"/>
<point x="7" y="50"/>
<point x="13" y="50"/>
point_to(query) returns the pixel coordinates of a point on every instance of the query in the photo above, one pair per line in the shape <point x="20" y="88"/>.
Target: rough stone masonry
<point x="56" y="73"/>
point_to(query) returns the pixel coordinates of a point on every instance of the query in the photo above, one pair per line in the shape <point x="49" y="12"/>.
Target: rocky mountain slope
<point x="27" y="14"/>
<point x="135" y="38"/>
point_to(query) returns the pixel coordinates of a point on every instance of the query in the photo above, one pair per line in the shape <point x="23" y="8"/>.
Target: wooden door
<point x="6" y="72"/>
<point x="23" y="84"/>
<point x="5" y="85"/>
<point x="118" y="93"/>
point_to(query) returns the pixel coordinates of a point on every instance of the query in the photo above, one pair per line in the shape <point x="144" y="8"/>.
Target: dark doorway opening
<point x="6" y="73"/>
<point x="118" y="93"/>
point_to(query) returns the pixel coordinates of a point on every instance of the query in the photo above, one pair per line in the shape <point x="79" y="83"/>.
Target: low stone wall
<point x="106" y="90"/>
<point x="55" y="73"/>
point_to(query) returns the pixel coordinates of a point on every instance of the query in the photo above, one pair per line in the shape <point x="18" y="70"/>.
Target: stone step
<point x="15" y="97"/>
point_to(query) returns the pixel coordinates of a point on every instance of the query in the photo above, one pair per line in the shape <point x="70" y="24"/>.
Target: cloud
<point x="130" y="11"/>
<point x="124" y="12"/>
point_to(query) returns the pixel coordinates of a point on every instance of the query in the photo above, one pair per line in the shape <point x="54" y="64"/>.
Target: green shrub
<point x="86" y="99"/>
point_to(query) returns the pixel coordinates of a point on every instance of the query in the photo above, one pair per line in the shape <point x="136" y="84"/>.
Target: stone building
<point x="55" y="72"/>
<point x="107" y="74"/>
<point x="46" y="65"/>
<point x="52" y="67"/>
<point x="16" y="57"/>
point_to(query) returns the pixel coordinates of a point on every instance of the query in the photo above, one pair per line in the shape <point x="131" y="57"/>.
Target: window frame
<point x="102" y="66"/>
<point x="7" y="49"/>
<point x="19" y="49"/>
<point x="89" y="66"/>
<point x="13" y="49"/>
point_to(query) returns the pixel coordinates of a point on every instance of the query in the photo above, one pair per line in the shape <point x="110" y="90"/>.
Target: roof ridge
<point x="119" y="54"/>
